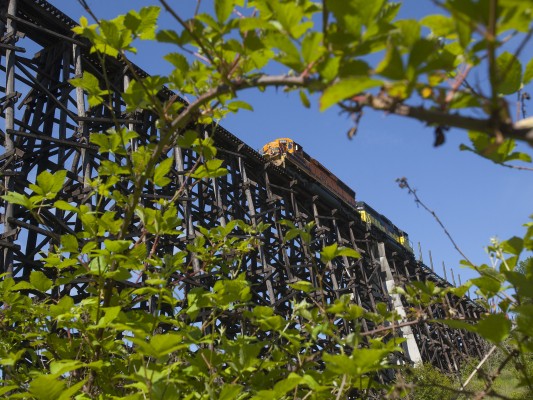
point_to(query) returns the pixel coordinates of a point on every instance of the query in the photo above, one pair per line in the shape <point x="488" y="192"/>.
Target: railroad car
<point x="285" y="150"/>
<point x="374" y="218"/>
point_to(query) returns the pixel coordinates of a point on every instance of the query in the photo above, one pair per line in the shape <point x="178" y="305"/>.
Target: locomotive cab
<point x="277" y="150"/>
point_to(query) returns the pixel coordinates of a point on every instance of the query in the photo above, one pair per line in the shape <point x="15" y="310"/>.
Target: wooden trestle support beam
<point x="47" y="122"/>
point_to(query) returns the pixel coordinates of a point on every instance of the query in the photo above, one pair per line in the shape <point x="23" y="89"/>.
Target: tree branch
<point x="382" y="102"/>
<point x="241" y="84"/>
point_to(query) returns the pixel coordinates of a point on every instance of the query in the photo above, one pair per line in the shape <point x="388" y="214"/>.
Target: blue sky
<point x="475" y="198"/>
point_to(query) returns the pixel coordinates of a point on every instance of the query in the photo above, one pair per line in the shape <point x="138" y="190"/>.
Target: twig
<point x="197" y="9"/>
<point x="518" y="167"/>
<point x="342" y="387"/>
<point x="459" y="80"/>
<point x="392" y="327"/>
<point x="474" y="372"/>
<point x="88" y="9"/>
<point x="197" y="40"/>
<point x="402" y="182"/>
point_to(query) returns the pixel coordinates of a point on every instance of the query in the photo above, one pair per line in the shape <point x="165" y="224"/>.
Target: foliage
<point x="429" y="384"/>
<point x="508" y="382"/>
<point x="107" y="346"/>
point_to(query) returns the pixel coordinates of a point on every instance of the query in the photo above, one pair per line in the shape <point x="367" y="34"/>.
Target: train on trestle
<point x="284" y="151"/>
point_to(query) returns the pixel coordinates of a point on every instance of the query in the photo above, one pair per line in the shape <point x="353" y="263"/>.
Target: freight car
<point x="285" y="151"/>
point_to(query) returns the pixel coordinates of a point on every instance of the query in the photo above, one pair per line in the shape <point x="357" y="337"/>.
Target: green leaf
<point x="230" y="391"/>
<point x="422" y="50"/>
<point x="457" y="324"/>
<point x="167" y="343"/>
<point x="5" y="389"/>
<point x="178" y="60"/>
<point x="289" y="54"/>
<point x="63" y="306"/>
<point x="46" y="387"/>
<point x="197" y="299"/>
<point x="528" y="73"/>
<point x="508" y="73"/>
<point x="488" y="285"/>
<point x="69" y="243"/>
<point x="494" y="327"/>
<point x="39" y="281"/>
<point x="360" y="362"/>
<point x="12" y="358"/>
<point x="230" y="291"/>
<point x="346" y="88"/>
<point x="392" y="65"/>
<point x="63" y="366"/>
<point x="117" y="246"/>
<point x="348" y="252"/>
<point x="90" y="84"/>
<point x="71" y="391"/>
<point x="329" y="69"/>
<point x="523" y="284"/>
<point x="210" y="169"/>
<point x="525" y="318"/>
<point x="161" y="171"/>
<point x="111" y="313"/>
<point x="113" y="141"/>
<point x="114" y="38"/>
<point x="18" y="198"/>
<point x="489" y="148"/>
<point x="440" y="25"/>
<point x="48" y="185"/>
<point x="464" y="31"/>
<point x="223" y="9"/>
<point x="187" y="139"/>
<point x="237" y="105"/>
<point x="409" y="31"/>
<point x="514" y="245"/>
<point x="304" y="99"/>
<point x="22" y="285"/>
<point x="312" y="48"/>
<point x="168" y="36"/>
<point x="63" y="205"/>
<point x="328" y="253"/>
<point x="303" y="286"/>
<point x="143" y="24"/>
<point x="287" y="384"/>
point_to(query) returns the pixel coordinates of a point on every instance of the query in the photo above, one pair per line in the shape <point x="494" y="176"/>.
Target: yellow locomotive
<point x="285" y="151"/>
<point x="373" y="218"/>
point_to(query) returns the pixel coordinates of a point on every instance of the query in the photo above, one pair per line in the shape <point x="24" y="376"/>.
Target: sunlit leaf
<point x="345" y="89"/>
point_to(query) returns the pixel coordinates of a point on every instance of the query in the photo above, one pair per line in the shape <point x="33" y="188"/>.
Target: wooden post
<point x="9" y="145"/>
<point x="453" y="278"/>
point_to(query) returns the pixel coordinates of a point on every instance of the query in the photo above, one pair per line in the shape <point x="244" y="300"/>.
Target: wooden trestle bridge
<point x="46" y="127"/>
